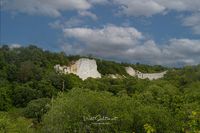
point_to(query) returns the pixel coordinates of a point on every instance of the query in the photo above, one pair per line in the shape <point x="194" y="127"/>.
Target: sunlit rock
<point x="150" y="76"/>
<point x="84" y="68"/>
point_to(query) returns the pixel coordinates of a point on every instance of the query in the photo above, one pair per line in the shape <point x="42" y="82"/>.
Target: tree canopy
<point x="34" y="98"/>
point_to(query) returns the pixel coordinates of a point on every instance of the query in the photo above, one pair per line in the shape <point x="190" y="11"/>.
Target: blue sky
<point x="148" y="31"/>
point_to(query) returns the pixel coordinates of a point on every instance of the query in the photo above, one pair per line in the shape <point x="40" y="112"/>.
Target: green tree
<point x="149" y="129"/>
<point x="5" y="98"/>
<point x="22" y="95"/>
<point x="14" y="125"/>
<point x="37" y="108"/>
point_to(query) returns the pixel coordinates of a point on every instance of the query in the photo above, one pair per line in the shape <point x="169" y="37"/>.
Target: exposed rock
<point x="130" y="71"/>
<point x="114" y="76"/>
<point x="84" y="68"/>
<point x="150" y="76"/>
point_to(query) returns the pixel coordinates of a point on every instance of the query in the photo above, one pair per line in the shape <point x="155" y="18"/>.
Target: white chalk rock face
<point x="114" y="76"/>
<point x="151" y="76"/>
<point x="84" y="68"/>
<point x="130" y="71"/>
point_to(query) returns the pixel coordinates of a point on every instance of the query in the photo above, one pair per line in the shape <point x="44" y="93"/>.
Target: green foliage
<point x="76" y="111"/>
<point x="37" y="108"/>
<point x="14" y="125"/>
<point x="192" y="92"/>
<point x="64" y="82"/>
<point x="126" y="104"/>
<point x="28" y="71"/>
<point x="44" y="88"/>
<point x="149" y="129"/>
<point x="147" y="68"/>
<point x="107" y="67"/>
<point x="5" y="98"/>
<point x="23" y="94"/>
<point x="70" y="81"/>
<point x="4" y="123"/>
<point x="183" y="77"/>
<point x="193" y="123"/>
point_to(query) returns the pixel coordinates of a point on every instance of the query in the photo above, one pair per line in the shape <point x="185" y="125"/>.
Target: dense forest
<point x="36" y="99"/>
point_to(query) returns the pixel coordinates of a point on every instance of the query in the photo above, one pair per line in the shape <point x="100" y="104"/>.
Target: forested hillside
<point x="36" y="99"/>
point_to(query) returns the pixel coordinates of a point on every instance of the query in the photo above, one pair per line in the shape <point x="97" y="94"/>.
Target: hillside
<point x="34" y="97"/>
<point x="86" y="68"/>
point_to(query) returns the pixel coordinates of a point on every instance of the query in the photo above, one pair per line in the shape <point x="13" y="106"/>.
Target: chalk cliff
<point x="84" y="68"/>
<point x="130" y="71"/>
<point x="150" y="76"/>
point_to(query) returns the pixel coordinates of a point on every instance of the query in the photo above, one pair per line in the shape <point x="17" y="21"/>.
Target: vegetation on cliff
<point x="34" y="98"/>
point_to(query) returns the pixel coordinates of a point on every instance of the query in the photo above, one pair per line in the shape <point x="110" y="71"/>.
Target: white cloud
<point x="88" y="14"/>
<point x="185" y="46"/>
<point x="109" y="36"/>
<point x="193" y="22"/>
<point x="152" y="7"/>
<point x="61" y="24"/>
<point x="98" y="1"/>
<point x="185" y="51"/>
<point x="180" y="5"/>
<point x="139" y="7"/>
<point x="149" y="8"/>
<point x="73" y="21"/>
<point x="128" y="44"/>
<point x="128" y="7"/>
<point x="146" y="8"/>
<point x="56" y="24"/>
<point x="48" y="7"/>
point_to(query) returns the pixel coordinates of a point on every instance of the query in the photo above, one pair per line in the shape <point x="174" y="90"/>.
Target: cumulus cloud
<point x="145" y="8"/>
<point x="149" y="8"/>
<point x="99" y="1"/>
<point x="109" y="36"/>
<point x="56" y="24"/>
<point x="73" y="21"/>
<point x="128" y="7"/>
<point x="60" y="24"/>
<point x="182" y="51"/>
<point x="139" y="7"/>
<point x="119" y="43"/>
<point x="180" y="5"/>
<point x="128" y="44"/>
<point x="88" y="14"/>
<point x="152" y="7"/>
<point x="48" y="7"/>
<point x="193" y="22"/>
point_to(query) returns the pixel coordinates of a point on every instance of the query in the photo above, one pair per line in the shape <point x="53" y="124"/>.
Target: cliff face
<point x="84" y="68"/>
<point x="150" y="76"/>
<point x="130" y="71"/>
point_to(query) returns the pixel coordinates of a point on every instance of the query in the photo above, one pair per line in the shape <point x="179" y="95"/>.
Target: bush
<point x="14" y="125"/>
<point x="37" y="108"/>
<point x="82" y="110"/>
<point x="5" y="99"/>
<point x="23" y="94"/>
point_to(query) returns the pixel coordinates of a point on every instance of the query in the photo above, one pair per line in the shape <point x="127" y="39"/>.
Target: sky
<point x="155" y="32"/>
